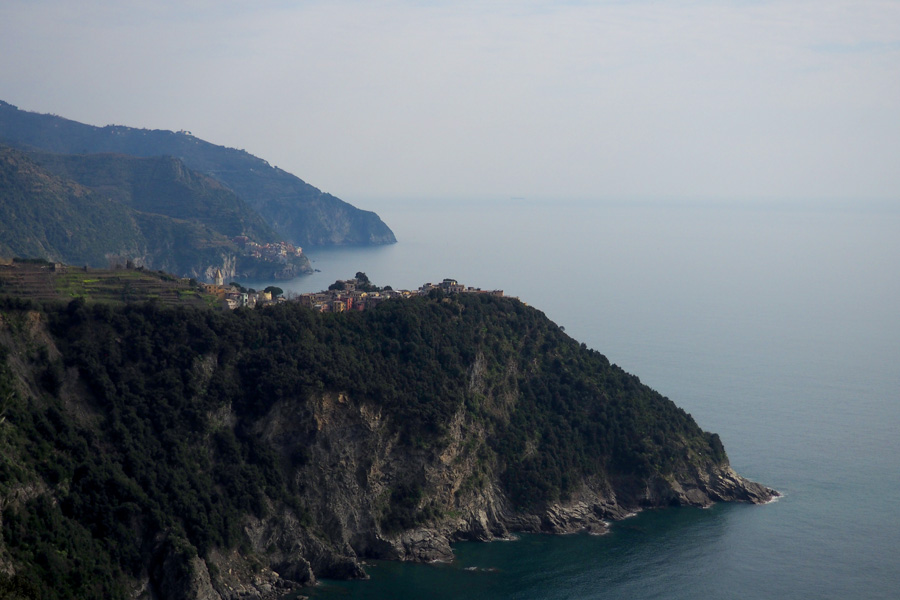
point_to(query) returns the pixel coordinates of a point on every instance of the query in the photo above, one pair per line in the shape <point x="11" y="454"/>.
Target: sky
<point x="641" y="99"/>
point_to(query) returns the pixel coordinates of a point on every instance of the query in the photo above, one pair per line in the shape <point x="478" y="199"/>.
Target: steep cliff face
<point x="192" y="454"/>
<point x="350" y="471"/>
<point x="354" y="463"/>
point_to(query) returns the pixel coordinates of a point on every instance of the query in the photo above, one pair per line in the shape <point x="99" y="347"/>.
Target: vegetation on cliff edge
<point x="114" y="446"/>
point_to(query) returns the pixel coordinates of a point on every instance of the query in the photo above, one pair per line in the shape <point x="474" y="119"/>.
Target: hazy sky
<point x="606" y="99"/>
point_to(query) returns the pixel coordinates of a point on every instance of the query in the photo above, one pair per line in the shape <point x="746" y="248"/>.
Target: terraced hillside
<point x="42" y="281"/>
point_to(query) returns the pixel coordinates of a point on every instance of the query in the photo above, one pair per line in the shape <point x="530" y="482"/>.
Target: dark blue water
<point x="775" y="325"/>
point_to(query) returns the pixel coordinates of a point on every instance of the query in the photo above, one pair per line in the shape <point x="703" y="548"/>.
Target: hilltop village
<point x="343" y="295"/>
<point x="39" y="279"/>
<point x="359" y="294"/>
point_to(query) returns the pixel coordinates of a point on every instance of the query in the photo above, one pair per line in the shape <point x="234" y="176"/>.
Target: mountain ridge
<point x="100" y="209"/>
<point x="298" y="211"/>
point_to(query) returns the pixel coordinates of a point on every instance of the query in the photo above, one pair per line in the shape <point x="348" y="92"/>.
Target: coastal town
<point x="353" y="294"/>
<point x="38" y="279"/>
<point x="343" y="295"/>
<point x="273" y="252"/>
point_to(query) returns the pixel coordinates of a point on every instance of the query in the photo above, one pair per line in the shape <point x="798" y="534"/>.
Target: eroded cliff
<point x="193" y="454"/>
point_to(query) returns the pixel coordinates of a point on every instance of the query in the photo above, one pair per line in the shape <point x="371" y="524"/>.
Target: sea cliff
<point x="183" y="453"/>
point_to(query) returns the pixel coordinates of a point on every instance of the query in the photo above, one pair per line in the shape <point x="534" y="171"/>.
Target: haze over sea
<point x="775" y="325"/>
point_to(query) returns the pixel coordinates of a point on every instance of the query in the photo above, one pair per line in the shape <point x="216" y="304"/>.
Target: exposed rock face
<point x="178" y="575"/>
<point x="354" y="462"/>
<point x="227" y="268"/>
<point x="185" y="578"/>
<point x="357" y="489"/>
<point x="349" y="472"/>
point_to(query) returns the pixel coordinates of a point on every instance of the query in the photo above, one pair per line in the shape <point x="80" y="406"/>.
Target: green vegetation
<point x="363" y="283"/>
<point x="299" y="212"/>
<point x="161" y="186"/>
<point x="102" y="210"/>
<point x="49" y="217"/>
<point x="139" y="463"/>
<point x="35" y="279"/>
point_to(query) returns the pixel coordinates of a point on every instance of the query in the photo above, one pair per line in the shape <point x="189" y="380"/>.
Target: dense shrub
<point x="554" y="412"/>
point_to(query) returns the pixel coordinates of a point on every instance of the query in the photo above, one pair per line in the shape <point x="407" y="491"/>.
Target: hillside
<point x="179" y="453"/>
<point x="40" y="281"/>
<point x="163" y="186"/>
<point x="46" y="216"/>
<point x="299" y="212"/>
<point x="103" y="209"/>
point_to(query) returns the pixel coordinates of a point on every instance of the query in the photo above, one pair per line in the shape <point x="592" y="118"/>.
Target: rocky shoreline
<point x="239" y="578"/>
<point x="352" y="461"/>
<point x="335" y="477"/>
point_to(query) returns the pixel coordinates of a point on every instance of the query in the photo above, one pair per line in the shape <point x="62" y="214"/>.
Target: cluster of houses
<point x="275" y="252"/>
<point x="236" y="297"/>
<point x="351" y="294"/>
<point x="343" y="295"/>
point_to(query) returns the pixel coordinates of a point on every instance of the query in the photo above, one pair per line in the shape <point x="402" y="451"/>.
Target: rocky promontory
<point x="180" y="453"/>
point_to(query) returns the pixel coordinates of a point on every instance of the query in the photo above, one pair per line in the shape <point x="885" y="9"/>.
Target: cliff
<point x="179" y="453"/>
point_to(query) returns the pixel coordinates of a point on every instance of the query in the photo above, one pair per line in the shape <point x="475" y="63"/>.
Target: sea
<point x="776" y="324"/>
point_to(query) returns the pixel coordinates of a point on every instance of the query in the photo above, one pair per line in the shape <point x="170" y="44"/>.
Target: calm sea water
<point x="775" y="325"/>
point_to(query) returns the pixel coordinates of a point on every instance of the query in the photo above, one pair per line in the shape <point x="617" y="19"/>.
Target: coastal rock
<point x="354" y="460"/>
<point x="727" y="486"/>
<point x="180" y="576"/>
<point x="326" y="471"/>
<point x="426" y="545"/>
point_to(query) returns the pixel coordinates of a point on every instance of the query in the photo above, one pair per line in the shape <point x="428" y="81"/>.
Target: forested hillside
<point x="299" y="212"/>
<point x="101" y="209"/>
<point x="164" y="186"/>
<point x="181" y="453"/>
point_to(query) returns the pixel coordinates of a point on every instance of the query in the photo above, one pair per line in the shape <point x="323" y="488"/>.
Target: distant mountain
<point x="299" y="212"/>
<point x="164" y="186"/>
<point x="46" y="216"/>
<point x="106" y="208"/>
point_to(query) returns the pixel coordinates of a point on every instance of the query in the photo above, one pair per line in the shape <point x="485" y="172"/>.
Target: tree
<point x="274" y="290"/>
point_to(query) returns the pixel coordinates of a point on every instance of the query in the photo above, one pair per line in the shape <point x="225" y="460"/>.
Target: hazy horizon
<point x="762" y="100"/>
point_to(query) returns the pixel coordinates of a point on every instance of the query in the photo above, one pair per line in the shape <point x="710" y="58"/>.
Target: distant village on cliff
<point x="343" y="295"/>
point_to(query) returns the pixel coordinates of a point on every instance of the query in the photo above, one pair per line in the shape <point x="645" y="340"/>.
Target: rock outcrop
<point x="287" y="438"/>
<point x="355" y="460"/>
